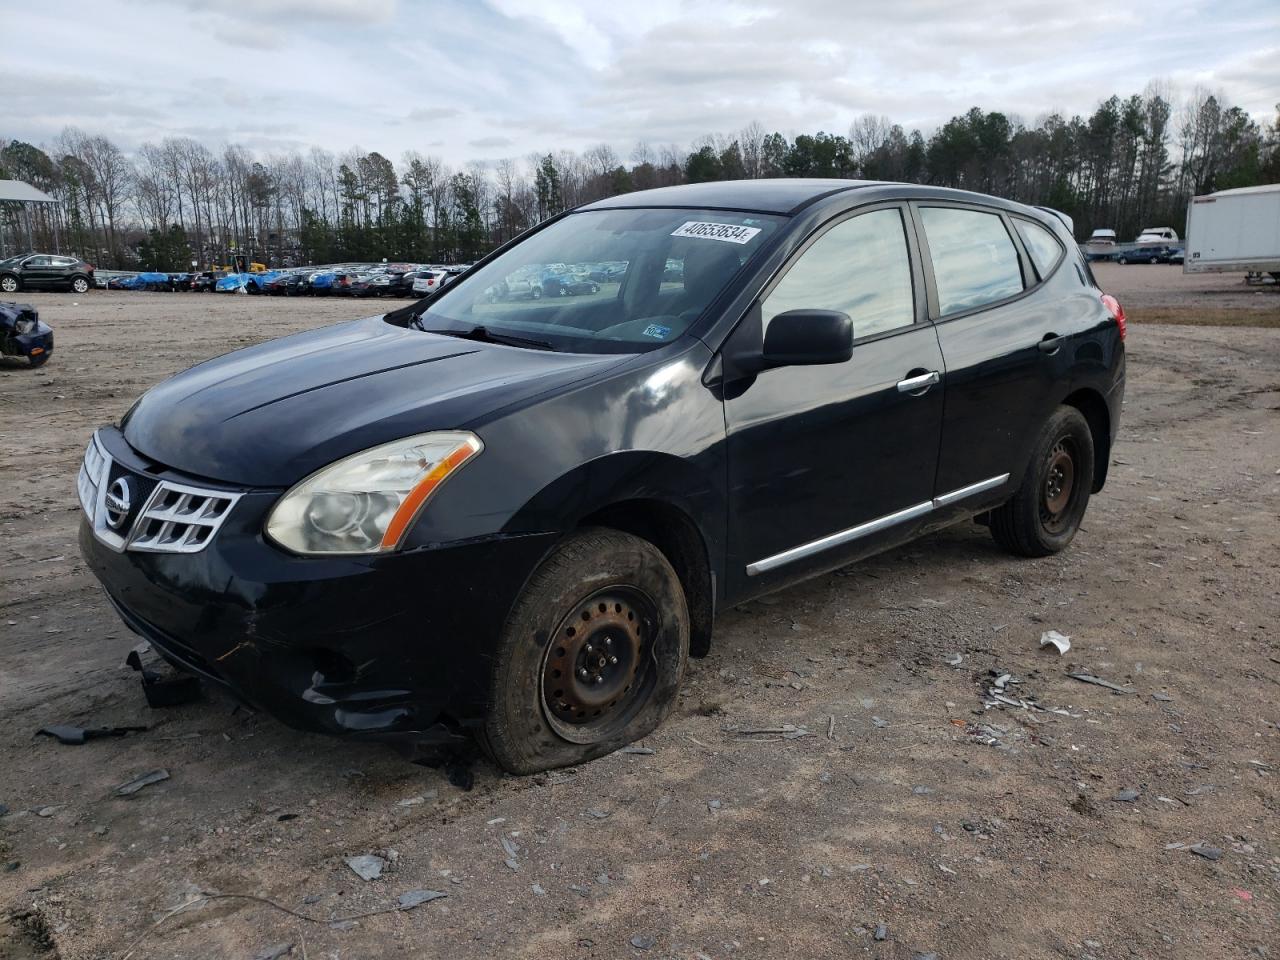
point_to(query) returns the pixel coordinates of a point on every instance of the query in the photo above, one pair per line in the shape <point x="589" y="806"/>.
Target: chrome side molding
<point x="872" y="526"/>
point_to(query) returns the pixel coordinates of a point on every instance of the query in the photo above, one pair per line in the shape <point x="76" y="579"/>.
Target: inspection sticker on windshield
<point x="657" y="331"/>
<point x="728" y="232"/>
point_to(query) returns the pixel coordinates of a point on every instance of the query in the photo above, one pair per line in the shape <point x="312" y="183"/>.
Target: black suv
<point x="516" y="519"/>
<point x="45" y="271"/>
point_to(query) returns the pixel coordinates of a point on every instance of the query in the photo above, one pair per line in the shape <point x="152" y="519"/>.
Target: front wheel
<point x="9" y="284"/>
<point x="1122" y="260"/>
<point x="1045" y="512"/>
<point x="592" y="654"/>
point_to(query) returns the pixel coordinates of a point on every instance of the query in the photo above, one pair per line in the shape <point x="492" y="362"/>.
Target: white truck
<point x="1234" y="231"/>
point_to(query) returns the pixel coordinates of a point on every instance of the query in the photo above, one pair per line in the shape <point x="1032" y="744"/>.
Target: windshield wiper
<point x="485" y="335"/>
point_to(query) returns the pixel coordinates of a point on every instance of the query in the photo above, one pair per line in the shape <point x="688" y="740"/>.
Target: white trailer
<point x="1234" y="231"/>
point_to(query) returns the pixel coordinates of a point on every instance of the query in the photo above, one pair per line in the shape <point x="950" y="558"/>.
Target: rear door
<point x="1000" y="378"/>
<point x="827" y="463"/>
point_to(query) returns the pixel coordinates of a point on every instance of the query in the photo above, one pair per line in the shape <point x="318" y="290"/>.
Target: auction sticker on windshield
<point x="728" y="232"/>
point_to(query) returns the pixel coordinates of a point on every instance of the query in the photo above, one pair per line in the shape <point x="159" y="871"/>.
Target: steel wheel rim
<point x="598" y="669"/>
<point x="1058" y="491"/>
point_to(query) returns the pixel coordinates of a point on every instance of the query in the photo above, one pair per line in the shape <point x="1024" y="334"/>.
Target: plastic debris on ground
<point x="367" y="866"/>
<point x="1059" y="641"/>
<point x="133" y="786"/>
<point x="74" y="736"/>
<point x="162" y="691"/>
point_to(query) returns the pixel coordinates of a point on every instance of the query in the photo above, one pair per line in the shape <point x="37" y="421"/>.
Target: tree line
<point x="1134" y="162"/>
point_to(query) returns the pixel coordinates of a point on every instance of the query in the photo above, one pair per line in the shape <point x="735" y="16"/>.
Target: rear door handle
<point x="919" y="385"/>
<point x="1051" y="343"/>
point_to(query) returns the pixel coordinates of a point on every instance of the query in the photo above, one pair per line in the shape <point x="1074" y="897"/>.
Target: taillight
<point x="1117" y="311"/>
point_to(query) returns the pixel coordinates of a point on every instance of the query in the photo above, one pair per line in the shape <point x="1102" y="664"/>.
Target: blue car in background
<point x="23" y="335"/>
<point x="1151" y="253"/>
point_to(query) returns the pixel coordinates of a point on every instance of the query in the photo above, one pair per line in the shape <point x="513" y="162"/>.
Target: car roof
<point x="764" y="196"/>
<point x="789" y="196"/>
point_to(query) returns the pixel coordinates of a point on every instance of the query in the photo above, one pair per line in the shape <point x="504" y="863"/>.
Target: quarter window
<point x="974" y="259"/>
<point x="1044" y="248"/>
<point x="859" y="267"/>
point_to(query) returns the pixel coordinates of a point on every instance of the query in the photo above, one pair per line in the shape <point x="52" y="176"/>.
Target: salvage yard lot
<point x="966" y="832"/>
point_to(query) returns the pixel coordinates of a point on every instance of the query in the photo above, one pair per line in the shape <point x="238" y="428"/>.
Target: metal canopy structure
<point x="20" y="194"/>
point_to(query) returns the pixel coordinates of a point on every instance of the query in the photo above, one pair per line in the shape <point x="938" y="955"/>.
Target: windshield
<point x="604" y="281"/>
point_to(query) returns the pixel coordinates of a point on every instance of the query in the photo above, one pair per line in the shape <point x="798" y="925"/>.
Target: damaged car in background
<point x="22" y="334"/>
<point x="514" y="518"/>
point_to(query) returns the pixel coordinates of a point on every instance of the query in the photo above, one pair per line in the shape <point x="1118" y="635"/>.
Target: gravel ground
<point x="957" y="830"/>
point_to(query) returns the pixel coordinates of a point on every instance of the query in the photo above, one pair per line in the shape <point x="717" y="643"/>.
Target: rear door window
<point x="1043" y="246"/>
<point x="860" y="267"/>
<point x="974" y="259"/>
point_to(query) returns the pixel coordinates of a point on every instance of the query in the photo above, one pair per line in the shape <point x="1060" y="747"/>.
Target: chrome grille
<point x="176" y="518"/>
<point x="180" y="519"/>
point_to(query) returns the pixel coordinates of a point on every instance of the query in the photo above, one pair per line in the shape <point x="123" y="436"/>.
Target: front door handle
<point x="1050" y="343"/>
<point x="919" y="385"/>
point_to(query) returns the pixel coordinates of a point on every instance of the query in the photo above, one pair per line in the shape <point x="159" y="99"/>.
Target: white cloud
<point x="508" y="77"/>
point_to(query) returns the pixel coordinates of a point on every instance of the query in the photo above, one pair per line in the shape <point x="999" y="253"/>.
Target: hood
<point x="270" y="415"/>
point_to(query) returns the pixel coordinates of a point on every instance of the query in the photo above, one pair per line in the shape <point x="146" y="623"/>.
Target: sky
<point x="486" y="79"/>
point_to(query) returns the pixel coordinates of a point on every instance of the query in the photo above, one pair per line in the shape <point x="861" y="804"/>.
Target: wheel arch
<point x="1093" y="408"/>
<point x="673" y="532"/>
<point x="659" y="497"/>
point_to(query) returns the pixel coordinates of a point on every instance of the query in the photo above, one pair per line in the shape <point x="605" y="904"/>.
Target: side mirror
<point x="807" y="337"/>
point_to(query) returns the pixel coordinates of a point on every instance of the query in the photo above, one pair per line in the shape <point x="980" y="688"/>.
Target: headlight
<point x="26" y="325"/>
<point x="368" y="502"/>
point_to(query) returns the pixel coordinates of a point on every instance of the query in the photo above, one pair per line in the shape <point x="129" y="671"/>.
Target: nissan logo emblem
<point x="119" y="502"/>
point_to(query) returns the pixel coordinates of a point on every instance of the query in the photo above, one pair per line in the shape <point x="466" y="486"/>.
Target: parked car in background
<point x="400" y="282"/>
<point x="45" y="271"/>
<point x="205" y="281"/>
<point x="518" y="520"/>
<point x="22" y="334"/>
<point x="1151" y="253"/>
<point x="568" y="284"/>
<point x="376" y="284"/>
<point x="427" y="282"/>
<point x="1102" y="236"/>
<point x="1176" y="255"/>
<point x="288" y="285"/>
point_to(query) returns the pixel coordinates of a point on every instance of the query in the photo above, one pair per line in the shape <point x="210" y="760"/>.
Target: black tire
<point x="10" y="284"/>
<point x="631" y="601"/>
<point x="535" y="292"/>
<point x="1155" y="259"/>
<point x="1122" y="260"/>
<point x="80" y="285"/>
<point x="1045" y="512"/>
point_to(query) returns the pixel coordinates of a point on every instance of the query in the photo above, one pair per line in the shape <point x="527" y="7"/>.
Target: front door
<point x="828" y="463"/>
<point x="37" y="271"/>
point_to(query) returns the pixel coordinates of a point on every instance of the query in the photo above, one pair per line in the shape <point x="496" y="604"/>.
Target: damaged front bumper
<point x="396" y="646"/>
<point x="36" y="345"/>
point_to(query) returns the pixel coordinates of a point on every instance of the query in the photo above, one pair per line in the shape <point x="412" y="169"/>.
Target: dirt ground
<point x="966" y="832"/>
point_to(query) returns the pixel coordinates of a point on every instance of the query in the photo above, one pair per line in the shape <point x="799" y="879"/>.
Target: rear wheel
<point x="79" y="285"/>
<point x="1045" y="512"/>
<point x="1122" y="259"/>
<point x="592" y="654"/>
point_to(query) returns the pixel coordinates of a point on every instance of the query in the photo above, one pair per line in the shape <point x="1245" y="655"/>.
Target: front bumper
<point x="36" y="343"/>
<point x="397" y="646"/>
